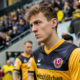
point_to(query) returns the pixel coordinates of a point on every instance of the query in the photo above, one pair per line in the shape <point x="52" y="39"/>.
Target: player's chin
<point x="40" y="40"/>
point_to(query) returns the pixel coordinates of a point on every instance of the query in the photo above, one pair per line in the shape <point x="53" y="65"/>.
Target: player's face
<point x="41" y="27"/>
<point x="28" y="48"/>
<point x="8" y="62"/>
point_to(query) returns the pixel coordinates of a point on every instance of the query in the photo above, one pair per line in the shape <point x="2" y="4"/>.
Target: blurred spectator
<point x="75" y="4"/>
<point x="1" y="26"/>
<point x="8" y="70"/>
<point x="58" y="4"/>
<point x="46" y="3"/>
<point x="22" y="25"/>
<point x="10" y="25"/>
<point x="4" y="39"/>
<point x="76" y="14"/>
<point x="14" y="32"/>
<point x="10" y="57"/>
<point x="60" y="15"/>
<point x="1" y="74"/>
<point x="66" y="9"/>
<point x="75" y="27"/>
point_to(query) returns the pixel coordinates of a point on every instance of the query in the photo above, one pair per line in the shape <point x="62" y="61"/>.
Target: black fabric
<point x="75" y="27"/>
<point x="23" y="59"/>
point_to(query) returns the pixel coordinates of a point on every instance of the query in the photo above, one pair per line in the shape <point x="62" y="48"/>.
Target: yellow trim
<point x="53" y="47"/>
<point x="23" y="54"/>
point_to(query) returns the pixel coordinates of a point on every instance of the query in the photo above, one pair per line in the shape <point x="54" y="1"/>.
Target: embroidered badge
<point x="29" y="64"/>
<point x="25" y="60"/>
<point x="58" y="62"/>
<point x="15" y="63"/>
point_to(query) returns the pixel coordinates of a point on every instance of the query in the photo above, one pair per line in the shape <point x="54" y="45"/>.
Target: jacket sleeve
<point x="71" y="28"/>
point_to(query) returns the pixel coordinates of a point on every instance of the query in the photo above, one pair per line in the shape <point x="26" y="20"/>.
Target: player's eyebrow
<point x="35" y="22"/>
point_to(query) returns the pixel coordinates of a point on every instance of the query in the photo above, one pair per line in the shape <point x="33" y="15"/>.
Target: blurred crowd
<point x="66" y="6"/>
<point x="13" y="24"/>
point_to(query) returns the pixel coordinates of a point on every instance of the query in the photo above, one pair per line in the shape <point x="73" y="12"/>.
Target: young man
<point x="56" y="59"/>
<point x="21" y="62"/>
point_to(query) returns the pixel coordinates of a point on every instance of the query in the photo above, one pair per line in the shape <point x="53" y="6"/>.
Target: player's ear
<point x="54" y="22"/>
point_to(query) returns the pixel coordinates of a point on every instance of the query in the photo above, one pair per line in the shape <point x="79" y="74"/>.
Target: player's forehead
<point x="36" y="17"/>
<point x="27" y="44"/>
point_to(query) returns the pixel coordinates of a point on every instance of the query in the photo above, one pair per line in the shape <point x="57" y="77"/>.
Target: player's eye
<point x="37" y="22"/>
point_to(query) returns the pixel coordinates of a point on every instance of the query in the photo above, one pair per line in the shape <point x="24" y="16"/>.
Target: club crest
<point x="29" y="64"/>
<point x="58" y="62"/>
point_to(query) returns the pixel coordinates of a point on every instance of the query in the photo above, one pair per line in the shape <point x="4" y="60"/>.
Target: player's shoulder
<point x="75" y="56"/>
<point x="4" y="66"/>
<point x="68" y="45"/>
<point x="76" y="51"/>
<point x="38" y="50"/>
<point x="18" y="59"/>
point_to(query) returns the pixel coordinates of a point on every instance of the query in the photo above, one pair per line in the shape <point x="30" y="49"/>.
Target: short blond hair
<point x="28" y="42"/>
<point x="48" y="12"/>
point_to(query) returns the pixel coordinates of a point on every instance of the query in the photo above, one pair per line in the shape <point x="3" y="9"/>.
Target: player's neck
<point x="26" y="54"/>
<point x="8" y="65"/>
<point x="51" y="42"/>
